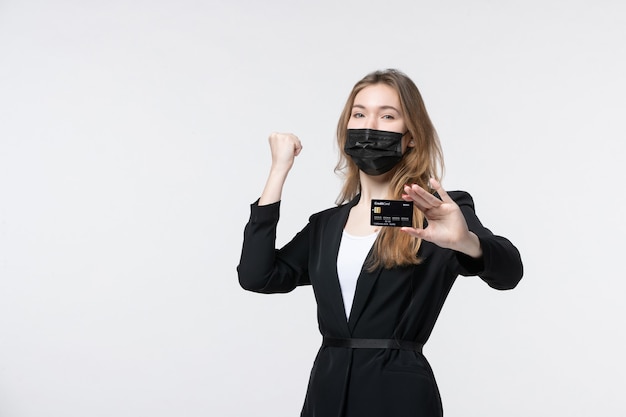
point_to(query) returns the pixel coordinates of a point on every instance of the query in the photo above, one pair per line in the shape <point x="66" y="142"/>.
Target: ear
<point x="407" y="139"/>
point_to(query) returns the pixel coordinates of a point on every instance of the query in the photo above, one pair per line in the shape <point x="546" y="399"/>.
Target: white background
<point x="133" y="136"/>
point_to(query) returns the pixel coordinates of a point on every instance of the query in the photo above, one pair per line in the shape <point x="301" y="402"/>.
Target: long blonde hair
<point x="419" y="164"/>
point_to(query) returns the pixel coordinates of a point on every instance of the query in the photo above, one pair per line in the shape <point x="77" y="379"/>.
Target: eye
<point x="388" y="117"/>
<point x="358" y="115"/>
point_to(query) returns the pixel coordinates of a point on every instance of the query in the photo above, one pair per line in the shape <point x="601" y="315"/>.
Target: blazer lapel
<point x="335" y="226"/>
<point x="364" y="287"/>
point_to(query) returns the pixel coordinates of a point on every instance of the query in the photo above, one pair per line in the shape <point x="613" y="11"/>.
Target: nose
<point x="371" y="123"/>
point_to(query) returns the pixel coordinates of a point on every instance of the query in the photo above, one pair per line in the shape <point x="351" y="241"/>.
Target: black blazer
<point x="399" y="303"/>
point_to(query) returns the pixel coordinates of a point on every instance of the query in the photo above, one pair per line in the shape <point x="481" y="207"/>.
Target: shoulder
<point x="462" y="198"/>
<point x="321" y="215"/>
<point x="339" y="209"/>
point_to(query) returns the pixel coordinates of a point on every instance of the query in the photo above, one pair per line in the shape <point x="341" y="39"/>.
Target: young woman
<point x="379" y="290"/>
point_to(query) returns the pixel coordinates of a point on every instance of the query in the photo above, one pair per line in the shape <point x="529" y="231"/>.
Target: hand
<point x="447" y="227"/>
<point x="285" y="147"/>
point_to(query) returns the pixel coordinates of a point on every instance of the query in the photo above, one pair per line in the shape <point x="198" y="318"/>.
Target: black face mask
<point x="375" y="152"/>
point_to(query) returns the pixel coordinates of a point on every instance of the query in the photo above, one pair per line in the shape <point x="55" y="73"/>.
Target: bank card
<point x="393" y="213"/>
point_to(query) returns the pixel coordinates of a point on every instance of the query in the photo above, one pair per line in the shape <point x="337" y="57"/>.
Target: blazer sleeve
<point x="265" y="269"/>
<point x="501" y="264"/>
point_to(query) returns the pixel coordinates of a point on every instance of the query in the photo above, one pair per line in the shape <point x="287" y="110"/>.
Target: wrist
<point x="471" y="246"/>
<point x="274" y="186"/>
<point x="280" y="169"/>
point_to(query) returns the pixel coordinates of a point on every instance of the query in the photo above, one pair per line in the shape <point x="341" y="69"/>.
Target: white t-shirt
<point x="352" y="253"/>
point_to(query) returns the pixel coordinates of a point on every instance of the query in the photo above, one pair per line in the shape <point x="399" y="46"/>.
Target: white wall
<point x="133" y="138"/>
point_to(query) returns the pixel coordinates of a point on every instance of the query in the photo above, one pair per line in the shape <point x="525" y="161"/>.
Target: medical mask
<point x="375" y="152"/>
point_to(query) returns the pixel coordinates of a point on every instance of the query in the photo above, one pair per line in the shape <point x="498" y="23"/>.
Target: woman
<point x="379" y="290"/>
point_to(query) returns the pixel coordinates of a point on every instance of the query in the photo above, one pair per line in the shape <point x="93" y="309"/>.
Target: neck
<point x="378" y="187"/>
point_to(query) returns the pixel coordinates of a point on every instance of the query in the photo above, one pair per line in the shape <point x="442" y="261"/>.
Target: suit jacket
<point x="399" y="303"/>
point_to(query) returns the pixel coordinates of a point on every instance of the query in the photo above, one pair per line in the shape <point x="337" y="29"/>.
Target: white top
<point x="352" y="253"/>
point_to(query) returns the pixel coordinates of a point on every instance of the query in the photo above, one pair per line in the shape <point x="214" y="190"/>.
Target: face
<point x="378" y="107"/>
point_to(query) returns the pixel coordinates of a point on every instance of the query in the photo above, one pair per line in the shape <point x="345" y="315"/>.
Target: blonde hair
<point x="420" y="163"/>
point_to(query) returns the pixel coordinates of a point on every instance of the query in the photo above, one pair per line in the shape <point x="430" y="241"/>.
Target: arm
<point x="500" y="265"/>
<point x="262" y="268"/>
<point x="452" y="224"/>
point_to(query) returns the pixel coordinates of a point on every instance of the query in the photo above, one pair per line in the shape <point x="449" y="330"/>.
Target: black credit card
<point x="394" y="213"/>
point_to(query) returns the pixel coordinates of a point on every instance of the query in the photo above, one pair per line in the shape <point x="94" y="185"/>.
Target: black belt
<point x="372" y="344"/>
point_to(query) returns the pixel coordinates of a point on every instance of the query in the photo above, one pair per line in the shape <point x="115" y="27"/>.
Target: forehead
<point x="377" y="95"/>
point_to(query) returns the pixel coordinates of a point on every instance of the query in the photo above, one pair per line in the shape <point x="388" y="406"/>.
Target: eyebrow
<point x="360" y="106"/>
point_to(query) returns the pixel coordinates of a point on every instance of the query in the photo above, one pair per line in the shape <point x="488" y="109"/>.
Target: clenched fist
<point x="285" y="147"/>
